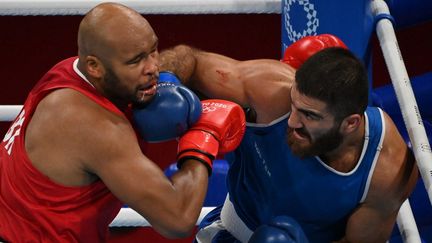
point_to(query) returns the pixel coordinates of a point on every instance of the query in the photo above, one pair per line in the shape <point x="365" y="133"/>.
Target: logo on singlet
<point x="263" y="161"/>
<point x="13" y="132"/>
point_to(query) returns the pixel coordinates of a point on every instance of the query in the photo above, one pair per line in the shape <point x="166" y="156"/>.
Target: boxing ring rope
<point x="9" y="112"/>
<point x="407" y="225"/>
<point x="80" y="7"/>
<point x="128" y="217"/>
<point x="410" y="112"/>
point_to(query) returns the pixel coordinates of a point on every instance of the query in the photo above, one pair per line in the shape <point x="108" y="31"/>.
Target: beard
<point x="322" y="144"/>
<point x="119" y="93"/>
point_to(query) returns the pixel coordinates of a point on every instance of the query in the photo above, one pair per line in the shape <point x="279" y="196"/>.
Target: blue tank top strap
<point x="375" y="131"/>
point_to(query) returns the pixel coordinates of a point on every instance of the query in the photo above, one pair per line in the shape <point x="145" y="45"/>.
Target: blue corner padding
<point x="216" y="191"/>
<point x="385" y="96"/>
<point x="408" y="13"/>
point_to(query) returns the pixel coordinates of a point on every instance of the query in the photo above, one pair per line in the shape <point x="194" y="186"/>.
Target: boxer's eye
<point x="136" y="59"/>
<point x="311" y="116"/>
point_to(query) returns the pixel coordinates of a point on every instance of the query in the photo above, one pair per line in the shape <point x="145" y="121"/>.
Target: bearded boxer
<point x="313" y="150"/>
<point x="71" y="158"/>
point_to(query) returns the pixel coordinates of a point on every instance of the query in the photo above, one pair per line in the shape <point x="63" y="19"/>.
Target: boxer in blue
<point x="316" y="163"/>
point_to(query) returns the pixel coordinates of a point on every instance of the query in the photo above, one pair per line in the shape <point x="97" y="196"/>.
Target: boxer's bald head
<point x="108" y="27"/>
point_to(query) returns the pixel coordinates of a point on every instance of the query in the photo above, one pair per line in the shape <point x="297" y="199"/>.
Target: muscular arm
<point x="79" y="142"/>
<point x="262" y="84"/>
<point x="170" y="206"/>
<point x="394" y="179"/>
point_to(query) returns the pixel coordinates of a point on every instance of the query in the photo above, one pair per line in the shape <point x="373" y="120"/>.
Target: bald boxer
<point x="71" y="158"/>
<point x="313" y="150"/>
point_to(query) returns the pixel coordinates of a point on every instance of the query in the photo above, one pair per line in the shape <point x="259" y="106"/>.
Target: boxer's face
<point x="132" y="72"/>
<point x="312" y="130"/>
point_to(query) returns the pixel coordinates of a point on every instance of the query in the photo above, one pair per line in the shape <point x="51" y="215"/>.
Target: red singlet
<point x="32" y="207"/>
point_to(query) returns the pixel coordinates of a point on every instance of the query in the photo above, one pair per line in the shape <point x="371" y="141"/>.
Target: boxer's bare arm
<point x="79" y="141"/>
<point x="394" y="178"/>
<point x="258" y="84"/>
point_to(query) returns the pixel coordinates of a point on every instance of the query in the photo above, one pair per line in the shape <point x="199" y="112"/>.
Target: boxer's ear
<point x="350" y="123"/>
<point x="94" y="67"/>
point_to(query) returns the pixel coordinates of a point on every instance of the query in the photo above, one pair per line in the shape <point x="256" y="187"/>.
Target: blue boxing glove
<point x="168" y="77"/>
<point x="281" y="229"/>
<point x="171" y="112"/>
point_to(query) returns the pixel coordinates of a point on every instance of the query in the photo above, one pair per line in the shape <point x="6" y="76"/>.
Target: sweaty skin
<point x="75" y="142"/>
<point x="266" y="86"/>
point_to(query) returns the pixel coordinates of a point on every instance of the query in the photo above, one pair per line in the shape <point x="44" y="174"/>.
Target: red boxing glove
<point x="297" y="53"/>
<point x="220" y="129"/>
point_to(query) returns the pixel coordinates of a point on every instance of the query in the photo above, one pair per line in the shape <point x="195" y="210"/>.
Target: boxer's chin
<point x="299" y="143"/>
<point x="142" y="102"/>
<point x="322" y="144"/>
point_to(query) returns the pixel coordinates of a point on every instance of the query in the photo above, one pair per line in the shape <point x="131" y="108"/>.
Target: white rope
<point x="80" y="7"/>
<point x="410" y="112"/>
<point x="9" y="112"/>
<point x="407" y="225"/>
<point x="128" y="217"/>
